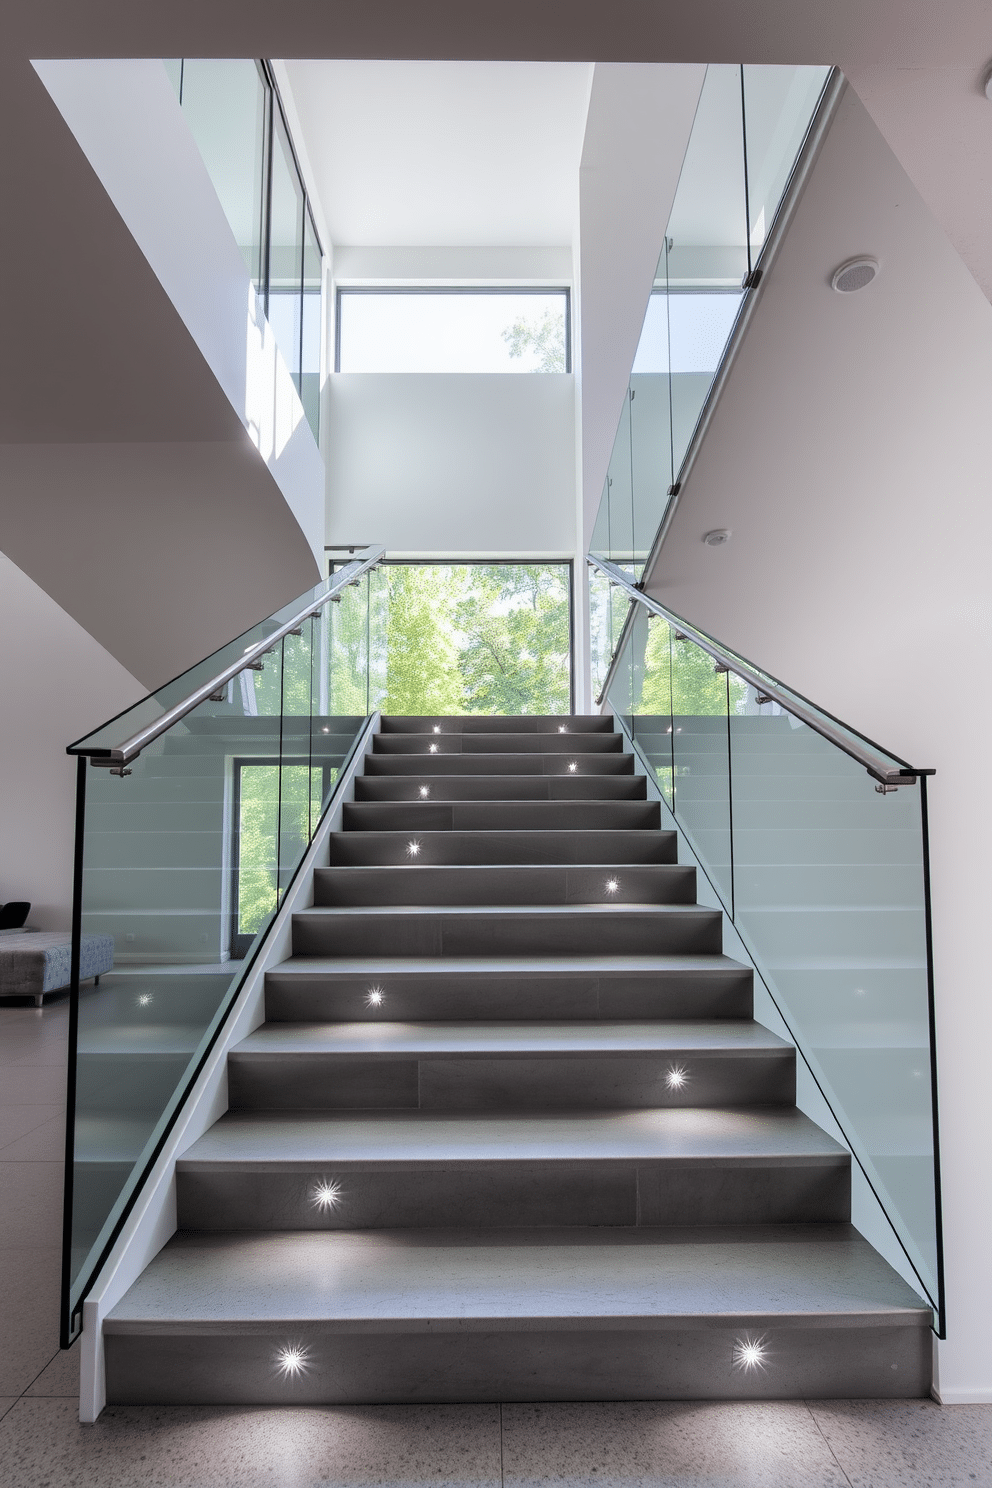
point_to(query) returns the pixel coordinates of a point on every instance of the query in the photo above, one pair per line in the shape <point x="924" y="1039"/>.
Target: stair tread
<point x="743" y="1135"/>
<point x="550" y="966"/>
<point x="510" y="1279"/>
<point x="448" y="1039"/>
<point x="469" y="911"/>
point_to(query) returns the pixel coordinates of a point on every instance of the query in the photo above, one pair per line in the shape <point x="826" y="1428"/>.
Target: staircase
<point x="510" y="1131"/>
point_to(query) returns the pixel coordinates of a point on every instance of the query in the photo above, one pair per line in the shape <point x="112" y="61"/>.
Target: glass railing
<point x="815" y="841"/>
<point x="750" y="126"/>
<point x="235" y="115"/>
<point x="191" y="824"/>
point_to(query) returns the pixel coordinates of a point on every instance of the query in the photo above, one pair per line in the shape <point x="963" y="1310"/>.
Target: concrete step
<point x="580" y="1314"/>
<point x="328" y="1172"/>
<point x="417" y="880"/>
<point x="498" y="763"/>
<point x="487" y="723"/>
<point x="560" y="742"/>
<point x="486" y="816"/>
<point x="616" y="847"/>
<point x="563" y="988"/>
<point x="597" y="929"/>
<point x="566" y="787"/>
<point x="494" y="1067"/>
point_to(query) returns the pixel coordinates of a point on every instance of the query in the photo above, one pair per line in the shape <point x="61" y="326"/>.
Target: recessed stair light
<point x="612" y="885"/>
<point x="374" y="997"/>
<point x="325" y="1194"/>
<point x="750" y="1354"/>
<point x="292" y="1360"/>
<point x="425" y="791"/>
<point x="432" y="749"/>
<point x="413" y="849"/>
<point x="437" y="728"/>
<point x="572" y="766"/>
<point x="676" y="1077"/>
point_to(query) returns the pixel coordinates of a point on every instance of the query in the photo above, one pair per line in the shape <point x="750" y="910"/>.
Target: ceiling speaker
<point x="856" y="274"/>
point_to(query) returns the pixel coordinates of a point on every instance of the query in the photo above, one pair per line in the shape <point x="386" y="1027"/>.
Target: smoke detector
<point x="717" y="538"/>
<point x="856" y="274"/>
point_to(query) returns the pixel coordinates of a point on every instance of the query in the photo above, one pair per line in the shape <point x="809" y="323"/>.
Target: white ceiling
<point x="461" y="154"/>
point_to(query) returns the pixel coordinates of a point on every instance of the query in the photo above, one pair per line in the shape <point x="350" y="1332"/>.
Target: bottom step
<point x="773" y="1312"/>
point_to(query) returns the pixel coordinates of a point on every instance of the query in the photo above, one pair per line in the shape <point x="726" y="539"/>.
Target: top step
<point x="581" y="723"/>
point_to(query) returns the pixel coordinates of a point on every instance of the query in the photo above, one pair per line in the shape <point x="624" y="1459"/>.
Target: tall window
<point x="453" y="330"/>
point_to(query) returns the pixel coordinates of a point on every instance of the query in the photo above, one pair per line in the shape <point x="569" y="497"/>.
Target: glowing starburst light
<point x="749" y="1354"/>
<point x="413" y="849"/>
<point x="325" y="1194"/>
<point x="432" y="749"/>
<point x="292" y="1360"/>
<point x="676" y="1077"/>
<point x="145" y="999"/>
<point x="374" y="997"/>
<point x="612" y="885"/>
<point x="562" y="729"/>
<point x="437" y="728"/>
<point x="572" y="766"/>
<point x="425" y="791"/>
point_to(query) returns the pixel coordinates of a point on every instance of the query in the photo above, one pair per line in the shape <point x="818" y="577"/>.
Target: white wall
<point x="128" y="122"/>
<point x="637" y="129"/>
<point x="452" y="464"/>
<point x="851" y="455"/>
<point x="57" y="683"/>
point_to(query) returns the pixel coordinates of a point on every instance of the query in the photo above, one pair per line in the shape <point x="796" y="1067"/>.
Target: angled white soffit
<point x="128" y="123"/>
<point x="640" y="117"/>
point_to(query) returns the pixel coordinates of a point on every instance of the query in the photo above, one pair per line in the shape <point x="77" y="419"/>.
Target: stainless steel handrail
<point x="877" y="762"/>
<point x="124" y="753"/>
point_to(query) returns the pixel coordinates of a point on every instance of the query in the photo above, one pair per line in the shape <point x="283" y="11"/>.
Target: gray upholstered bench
<point x="33" y="962"/>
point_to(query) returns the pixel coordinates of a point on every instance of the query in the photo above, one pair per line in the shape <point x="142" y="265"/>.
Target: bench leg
<point x="39" y="1000"/>
<point x="96" y="981"/>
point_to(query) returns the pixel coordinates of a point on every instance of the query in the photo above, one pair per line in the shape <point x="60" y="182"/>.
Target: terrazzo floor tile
<point x="29" y="1326"/>
<point x="60" y="1378"/>
<point x="42" y="1445"/>
<point x="908" y="1443"/>
<point x="17" y="1121"/>
<point x="45" y="1143"/>
<point x="32" y="1085"/>
<point x="666" y="1445"/>
<point x="30" y="1202"/>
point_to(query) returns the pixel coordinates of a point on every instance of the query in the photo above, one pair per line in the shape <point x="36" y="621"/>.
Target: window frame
<point x="454" y="289"/>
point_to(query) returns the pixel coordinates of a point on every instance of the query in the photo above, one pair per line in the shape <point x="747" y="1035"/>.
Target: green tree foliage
<point x="544" y="339"/>
<point x="473" y="638"/>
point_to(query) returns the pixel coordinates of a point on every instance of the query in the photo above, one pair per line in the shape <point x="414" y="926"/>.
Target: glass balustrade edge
<point x="726" y="901"/>
<point x="74" y="1295"/>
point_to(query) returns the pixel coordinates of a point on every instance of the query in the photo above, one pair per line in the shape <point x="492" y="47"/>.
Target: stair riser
<point x="503" y="788"/>
<point x="413" y="997"/>
<point x="534" y="723"/>
<point x="425" y="884"/>
<point x="595" y="1082"/>
<point x="497" y="764"/>
<point x="465" y="1363"/>
<point x="568" y="744"/>
<point x="495" y="816"/>
<point x="514" y="1194"/>
<point x="371" y="848"/>
<point x="669" y="932"/>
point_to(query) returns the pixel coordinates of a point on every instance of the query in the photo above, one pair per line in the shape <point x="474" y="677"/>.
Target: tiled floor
<point x="832" y="1444"/>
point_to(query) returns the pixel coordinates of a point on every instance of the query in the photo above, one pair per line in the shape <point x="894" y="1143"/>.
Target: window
<point x="453" y="330"/>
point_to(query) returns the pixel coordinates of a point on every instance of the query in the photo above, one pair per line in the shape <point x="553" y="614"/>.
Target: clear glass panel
<point x="829" y="895"/>
<point x="312" y="326"/>
<point x="349" y="652"/>
<point x="184" y="859"/>
<point x="457" y="330"/>
<point x="226" y="103"/>
<point x="285" y="303"/>
<point x="621" y="496"/>
<point x="701" y="759"/>
<point x="600" y="628"/>
<point x="708" y="256"/>
<point x="599" y="544"/>
<point x="779" y="103"/>
<point x="653" y="724"/>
